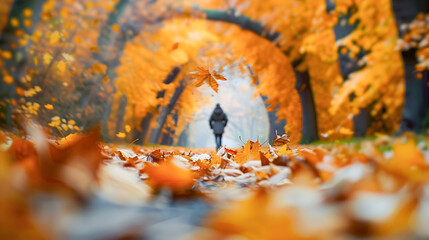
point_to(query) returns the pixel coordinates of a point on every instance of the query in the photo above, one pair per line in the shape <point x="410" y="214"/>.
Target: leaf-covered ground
<point x="80" y="188"/>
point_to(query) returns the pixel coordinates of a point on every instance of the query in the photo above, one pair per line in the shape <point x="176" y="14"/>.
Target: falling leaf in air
<point x="203" y="75"/>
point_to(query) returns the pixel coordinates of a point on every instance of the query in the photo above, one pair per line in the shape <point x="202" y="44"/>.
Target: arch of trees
<point x="339" y="57"/>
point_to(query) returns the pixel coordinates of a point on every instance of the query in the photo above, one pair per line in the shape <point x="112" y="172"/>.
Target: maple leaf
<point x="281" y="140"/>
<point x="264" y="159"/>
<point x="284" y="150"/>
<point x="203" y="75"/>
<point x="156" y="156"/>
<point x="250" y="151"/>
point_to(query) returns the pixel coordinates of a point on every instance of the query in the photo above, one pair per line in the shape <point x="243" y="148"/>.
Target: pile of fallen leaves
<point x="367" y="189"/>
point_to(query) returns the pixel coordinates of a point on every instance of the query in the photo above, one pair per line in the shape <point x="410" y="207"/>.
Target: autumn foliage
<point x="96" y="96"/>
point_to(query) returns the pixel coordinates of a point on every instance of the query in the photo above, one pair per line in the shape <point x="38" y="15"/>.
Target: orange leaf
<point x="203" y="75"/>
<point x="99" y="68"/>
<point x="115" y="28"/>
<point x="168" y="174"/>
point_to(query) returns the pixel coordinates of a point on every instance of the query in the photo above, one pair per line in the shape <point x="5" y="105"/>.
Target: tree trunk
<point x="15" y="66"/>
<point x="156" y="133"/>
<point x="416" y="103"/>
<point x="309" y="115"/>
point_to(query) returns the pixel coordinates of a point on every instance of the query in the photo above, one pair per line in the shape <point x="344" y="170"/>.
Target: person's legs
<point x="218" y="141"/>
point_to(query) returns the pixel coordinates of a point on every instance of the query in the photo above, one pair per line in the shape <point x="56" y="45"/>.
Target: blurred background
<point x="315" y="69"/>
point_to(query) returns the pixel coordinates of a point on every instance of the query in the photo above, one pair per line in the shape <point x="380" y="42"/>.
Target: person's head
<point x="217" y="105"/>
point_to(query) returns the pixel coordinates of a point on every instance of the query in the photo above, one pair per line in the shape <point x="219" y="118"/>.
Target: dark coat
<point x="218" y="120"/>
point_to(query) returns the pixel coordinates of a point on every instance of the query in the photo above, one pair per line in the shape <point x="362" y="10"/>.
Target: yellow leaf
<point x="250" y="151"/>
<point x="27" y="12"/>
<point x="36" y="61"/>
<point x="284" y="150"/>
<point x="49" y="106"/>
<point x="28" y="23"/>
<point x="346" y="131"/>
<point x="14" y="22"/>
<point x="61" y="66"/>
<point x="47" y="58"/>
<point x="120" y="135"/>
<point x="54" y="37"/>
<point x="127" y="128"/>
<point x="406" y="155"/>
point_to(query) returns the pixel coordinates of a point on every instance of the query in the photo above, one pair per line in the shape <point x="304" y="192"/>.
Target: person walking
<point x="218" y="121"/>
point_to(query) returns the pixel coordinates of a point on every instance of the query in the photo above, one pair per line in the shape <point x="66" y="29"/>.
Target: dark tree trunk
<point x="19" y="53"/>
<point x="156" y="133"/>
<point x="145" y="122"/>
<point x="416" y="103"/>
<point x="243" y="21"/>
<point x="309" y="116"/>
<point x="107" y="38"/>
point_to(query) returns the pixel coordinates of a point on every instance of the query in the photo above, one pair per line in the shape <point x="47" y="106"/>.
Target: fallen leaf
<point x="168" y="174"/>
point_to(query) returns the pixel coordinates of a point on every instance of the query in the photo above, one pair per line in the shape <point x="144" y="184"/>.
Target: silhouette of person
<point x="218" y="121"/>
